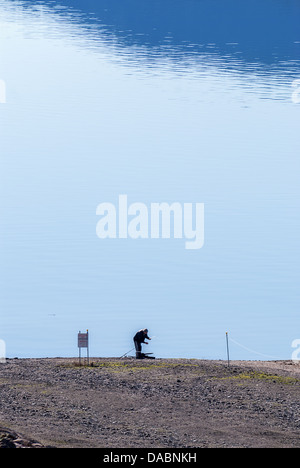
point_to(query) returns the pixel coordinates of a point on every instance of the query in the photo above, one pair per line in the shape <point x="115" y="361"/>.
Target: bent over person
<point x="138" y="339"/>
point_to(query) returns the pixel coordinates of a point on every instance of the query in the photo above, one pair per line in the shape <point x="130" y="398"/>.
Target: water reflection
<point x="252" y="39"/>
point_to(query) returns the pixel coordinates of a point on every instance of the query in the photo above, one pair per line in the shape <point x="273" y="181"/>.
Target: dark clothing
<point x="138" y="339"/>
<point x="138" y="349"/>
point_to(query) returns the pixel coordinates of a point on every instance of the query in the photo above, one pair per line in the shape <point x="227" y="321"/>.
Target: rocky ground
<point x="162" y="403"/>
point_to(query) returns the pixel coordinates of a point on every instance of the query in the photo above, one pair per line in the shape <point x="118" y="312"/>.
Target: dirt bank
<point x="150" y="403"/>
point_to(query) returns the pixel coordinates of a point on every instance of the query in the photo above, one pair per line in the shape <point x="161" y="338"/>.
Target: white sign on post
<point x="83" y="342"/>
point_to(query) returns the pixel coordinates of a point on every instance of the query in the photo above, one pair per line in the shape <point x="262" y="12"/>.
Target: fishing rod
<point x="126" y="353"/>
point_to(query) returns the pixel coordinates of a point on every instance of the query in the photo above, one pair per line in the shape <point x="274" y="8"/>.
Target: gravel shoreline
<point x="162" y="403"/>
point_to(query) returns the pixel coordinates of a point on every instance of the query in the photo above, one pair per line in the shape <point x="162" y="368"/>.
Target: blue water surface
<point x="165" y="101"/>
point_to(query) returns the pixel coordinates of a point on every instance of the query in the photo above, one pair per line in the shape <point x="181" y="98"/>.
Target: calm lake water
<point x="182" y="101"/>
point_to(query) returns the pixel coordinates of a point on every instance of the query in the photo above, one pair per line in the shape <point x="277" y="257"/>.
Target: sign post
<point x="227" y="348"/>
<point x="83" y="342"/>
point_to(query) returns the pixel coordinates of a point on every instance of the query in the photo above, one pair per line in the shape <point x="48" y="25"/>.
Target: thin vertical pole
<point x="227" y="348"/>
<point x="79" y="350"/>
<point x="88" y="354"/>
